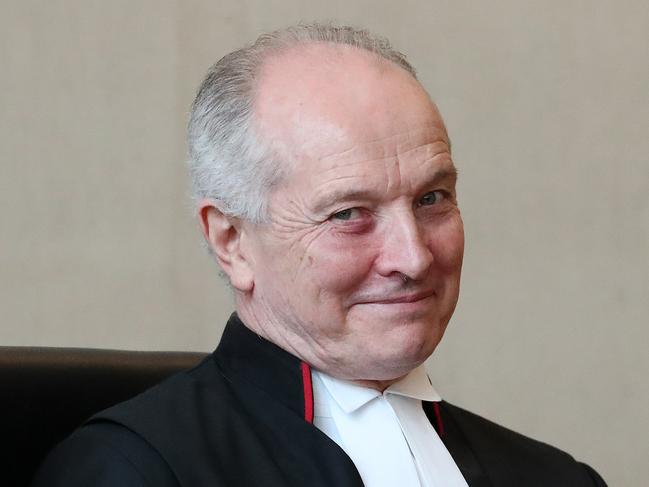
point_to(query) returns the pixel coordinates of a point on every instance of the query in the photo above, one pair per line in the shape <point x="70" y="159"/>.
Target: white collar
<point x="351" y="396"/>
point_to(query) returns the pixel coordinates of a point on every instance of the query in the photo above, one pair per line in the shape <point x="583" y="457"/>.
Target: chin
<point x="387" y="371"/>
<point x="408" y="354"/>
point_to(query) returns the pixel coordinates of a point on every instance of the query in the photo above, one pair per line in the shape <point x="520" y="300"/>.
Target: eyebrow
<point x="354" y="194"/>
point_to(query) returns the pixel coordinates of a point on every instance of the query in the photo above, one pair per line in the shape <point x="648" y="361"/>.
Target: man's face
<point x="358" y="270"/>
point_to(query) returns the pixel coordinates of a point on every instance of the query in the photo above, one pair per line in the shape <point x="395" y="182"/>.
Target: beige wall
<point x="547" y="103"/>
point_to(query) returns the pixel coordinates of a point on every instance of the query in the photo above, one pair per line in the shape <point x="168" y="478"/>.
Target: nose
<point x="405" y="250"/>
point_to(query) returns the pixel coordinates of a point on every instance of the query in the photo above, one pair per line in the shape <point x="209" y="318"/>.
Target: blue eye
<point x="430" y="198"/>
<point x="344" y="214"/>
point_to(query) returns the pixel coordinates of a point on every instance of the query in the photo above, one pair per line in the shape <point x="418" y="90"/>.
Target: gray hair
<point x="229" y="163"/>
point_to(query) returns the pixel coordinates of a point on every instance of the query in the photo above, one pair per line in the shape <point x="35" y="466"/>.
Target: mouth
<point x="401" y="298"/>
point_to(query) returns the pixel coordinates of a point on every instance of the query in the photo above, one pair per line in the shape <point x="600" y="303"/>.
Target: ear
<point x="224" y="236"/>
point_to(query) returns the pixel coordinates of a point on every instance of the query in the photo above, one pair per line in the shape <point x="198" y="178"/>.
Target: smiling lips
<point x="401" y="299"/>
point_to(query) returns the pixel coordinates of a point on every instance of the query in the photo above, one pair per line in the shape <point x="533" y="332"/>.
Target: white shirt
<point x="387" y="436"/>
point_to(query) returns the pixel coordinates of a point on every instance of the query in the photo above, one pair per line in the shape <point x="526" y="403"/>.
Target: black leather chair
<point x="45" y="393"/>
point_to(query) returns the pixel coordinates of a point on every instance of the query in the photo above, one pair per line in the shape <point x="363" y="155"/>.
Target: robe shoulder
<point x="104" y="454"/>
<point x="511" y="458"/>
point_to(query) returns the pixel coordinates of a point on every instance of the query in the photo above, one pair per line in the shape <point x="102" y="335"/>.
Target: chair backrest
<point x="45" y="393"/>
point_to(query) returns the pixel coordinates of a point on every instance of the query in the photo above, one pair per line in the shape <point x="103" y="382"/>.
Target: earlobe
<point x="225" y="235"/>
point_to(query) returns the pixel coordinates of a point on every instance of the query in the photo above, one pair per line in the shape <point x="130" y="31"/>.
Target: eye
<point x="346" y="214"/>
<point x="431" y="198"/>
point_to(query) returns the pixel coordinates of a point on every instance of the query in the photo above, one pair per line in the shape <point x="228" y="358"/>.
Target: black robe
<point x="243" y="417"/>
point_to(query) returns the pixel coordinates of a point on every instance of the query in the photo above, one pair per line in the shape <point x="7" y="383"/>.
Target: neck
<point x="293" y="343"/>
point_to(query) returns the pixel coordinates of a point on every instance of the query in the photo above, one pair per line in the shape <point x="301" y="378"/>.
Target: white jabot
<point x="387" y="436"/>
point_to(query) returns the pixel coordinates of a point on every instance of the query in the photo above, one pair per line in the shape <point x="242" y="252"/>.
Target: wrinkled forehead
<point x="321" y="98"/>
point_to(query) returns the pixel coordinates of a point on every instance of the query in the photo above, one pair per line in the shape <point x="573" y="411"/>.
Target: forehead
<point x="342" y="119"/>
<point x="321" y="97"/>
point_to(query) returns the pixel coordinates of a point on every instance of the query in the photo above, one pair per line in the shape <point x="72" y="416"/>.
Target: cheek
<point x="448" y="244"/>
<point x="339" y="264"/>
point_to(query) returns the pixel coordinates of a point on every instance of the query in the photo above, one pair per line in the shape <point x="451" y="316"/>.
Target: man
<point x="325" y="189"/>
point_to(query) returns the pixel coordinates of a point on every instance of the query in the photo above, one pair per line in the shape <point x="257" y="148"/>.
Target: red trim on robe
<point x="308" y="392"/>
<point x="438" y="417"/>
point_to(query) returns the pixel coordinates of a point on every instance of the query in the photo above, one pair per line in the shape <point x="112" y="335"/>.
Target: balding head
<point x="336" y="87"/>
<point x="230" y="163"/>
